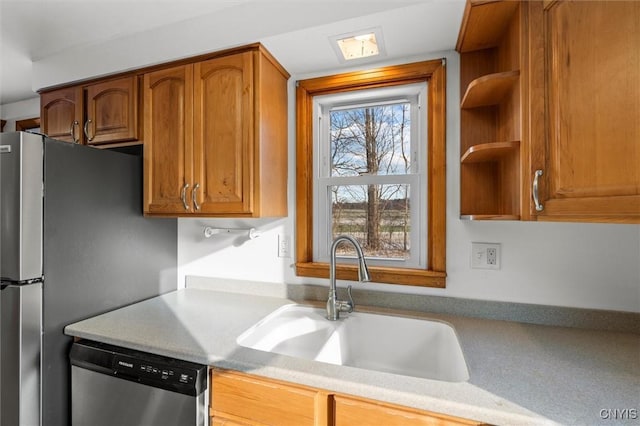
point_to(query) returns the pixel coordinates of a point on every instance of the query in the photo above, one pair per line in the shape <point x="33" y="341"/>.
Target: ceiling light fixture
<point x="358" y="44"/>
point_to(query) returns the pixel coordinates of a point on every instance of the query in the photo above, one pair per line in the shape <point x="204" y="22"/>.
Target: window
<point x="370" y="174"/>
<point x="371" y="163"/>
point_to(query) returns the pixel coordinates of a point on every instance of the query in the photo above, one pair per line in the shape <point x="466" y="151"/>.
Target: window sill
<point x="379" y="274"/>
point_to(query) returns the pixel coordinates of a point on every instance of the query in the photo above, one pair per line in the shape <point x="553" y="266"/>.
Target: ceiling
<point x="48" y="42"/>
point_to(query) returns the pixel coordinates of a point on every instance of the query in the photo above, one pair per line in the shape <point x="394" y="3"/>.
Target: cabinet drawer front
<point x="356" y="412"/>
<point x="241" y="397"/>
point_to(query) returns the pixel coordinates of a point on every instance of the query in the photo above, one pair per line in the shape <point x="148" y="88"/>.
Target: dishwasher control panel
<point x="141" y="367"/>
<point x="153" y="370"/>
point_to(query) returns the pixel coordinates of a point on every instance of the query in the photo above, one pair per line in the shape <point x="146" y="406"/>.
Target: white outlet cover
<point x="479" y="258"/>
<point x="284" y="246"/>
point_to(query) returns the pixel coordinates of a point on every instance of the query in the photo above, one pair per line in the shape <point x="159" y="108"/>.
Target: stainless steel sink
<point x="399" y="345"/>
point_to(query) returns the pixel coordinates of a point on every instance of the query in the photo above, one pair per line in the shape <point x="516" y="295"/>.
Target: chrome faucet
<point x="335" y="306"/>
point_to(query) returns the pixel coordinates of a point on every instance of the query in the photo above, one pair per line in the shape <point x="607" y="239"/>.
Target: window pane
<point x="377" y="216"/>
<point x="371" y="140"/>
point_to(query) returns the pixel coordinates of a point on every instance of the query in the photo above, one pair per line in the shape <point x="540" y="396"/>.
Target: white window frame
<point x="416" y="95"/>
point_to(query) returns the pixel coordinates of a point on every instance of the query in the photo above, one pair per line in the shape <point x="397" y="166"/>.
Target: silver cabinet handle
<point x="194" y="197"/>
<point x="72" y="131"/>
<point x="183" y="196"/>
<point x="534" y="192"/>
<point x="86" y="130"/>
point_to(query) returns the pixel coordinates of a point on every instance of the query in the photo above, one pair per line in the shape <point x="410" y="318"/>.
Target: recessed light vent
<point x="358" y="44"/>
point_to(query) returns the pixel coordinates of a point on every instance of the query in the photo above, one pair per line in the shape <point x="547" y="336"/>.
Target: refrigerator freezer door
<point x="20" y="341"/>
<point x="100" y="253"/>
<point x="21" y="203"/>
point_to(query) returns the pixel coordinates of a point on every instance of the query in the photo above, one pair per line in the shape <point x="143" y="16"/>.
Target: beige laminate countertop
<point x="520" y="374"/>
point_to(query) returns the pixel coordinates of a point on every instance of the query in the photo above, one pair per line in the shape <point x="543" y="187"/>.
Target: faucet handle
<point x="345" y="305"/>
<point x="352" y="304"/>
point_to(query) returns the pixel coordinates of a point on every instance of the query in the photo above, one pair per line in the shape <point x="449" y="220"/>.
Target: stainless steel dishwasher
<point x="118" y="386"/>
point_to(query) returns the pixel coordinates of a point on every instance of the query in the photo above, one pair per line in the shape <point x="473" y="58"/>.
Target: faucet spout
<point x="335" y="306"/>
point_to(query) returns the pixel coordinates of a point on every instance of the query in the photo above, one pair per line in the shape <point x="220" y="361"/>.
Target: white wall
<point x="28" y="108"/>
<point x="562" y="264"/>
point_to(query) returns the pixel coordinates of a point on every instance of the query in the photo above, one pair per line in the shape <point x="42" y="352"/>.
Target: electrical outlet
<point x="492" y="256"/>
<point x="284" y="245"/>
<point x="485" y="255"/>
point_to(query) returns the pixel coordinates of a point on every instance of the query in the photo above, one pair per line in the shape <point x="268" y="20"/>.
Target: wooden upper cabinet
<point x="61" y="114"/>
<point x="95" y="114"/>
<point x="168" y="129"/>
<point x="112" y="111"/>
<point x="550" y="112"/>
<point x="586" y="139"/>
<point x="223" y="135"/>
<point x="216" y="137"/>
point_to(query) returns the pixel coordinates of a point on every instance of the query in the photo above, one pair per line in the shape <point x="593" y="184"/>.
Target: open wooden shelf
<point x="490" y="217"/>
<point x="484" y="24"/>
<point x="491" y="58"/>
<point x="489" y="89"/>
<point x="492" y="151"/>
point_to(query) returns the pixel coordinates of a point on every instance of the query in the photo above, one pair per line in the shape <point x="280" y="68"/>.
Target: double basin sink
<point x="392" y="344"/>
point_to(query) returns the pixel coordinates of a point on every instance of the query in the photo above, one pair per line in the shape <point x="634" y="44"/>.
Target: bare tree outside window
<point x="372" y="141"/>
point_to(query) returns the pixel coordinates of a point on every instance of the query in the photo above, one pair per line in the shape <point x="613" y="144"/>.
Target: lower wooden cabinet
<point x="244" y="399"/>
<point x="353" y="411"/>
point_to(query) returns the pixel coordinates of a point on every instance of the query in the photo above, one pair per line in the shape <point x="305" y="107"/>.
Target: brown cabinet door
<point x="223" y="135"/>
<point x="61" y="114"/>
<point x="112" y="111"/>
<point x="168" y="130"/>
<point x="588" y="70"/>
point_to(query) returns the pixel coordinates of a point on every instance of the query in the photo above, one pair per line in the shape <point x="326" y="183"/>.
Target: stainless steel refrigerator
<point x="73" y="244"/>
